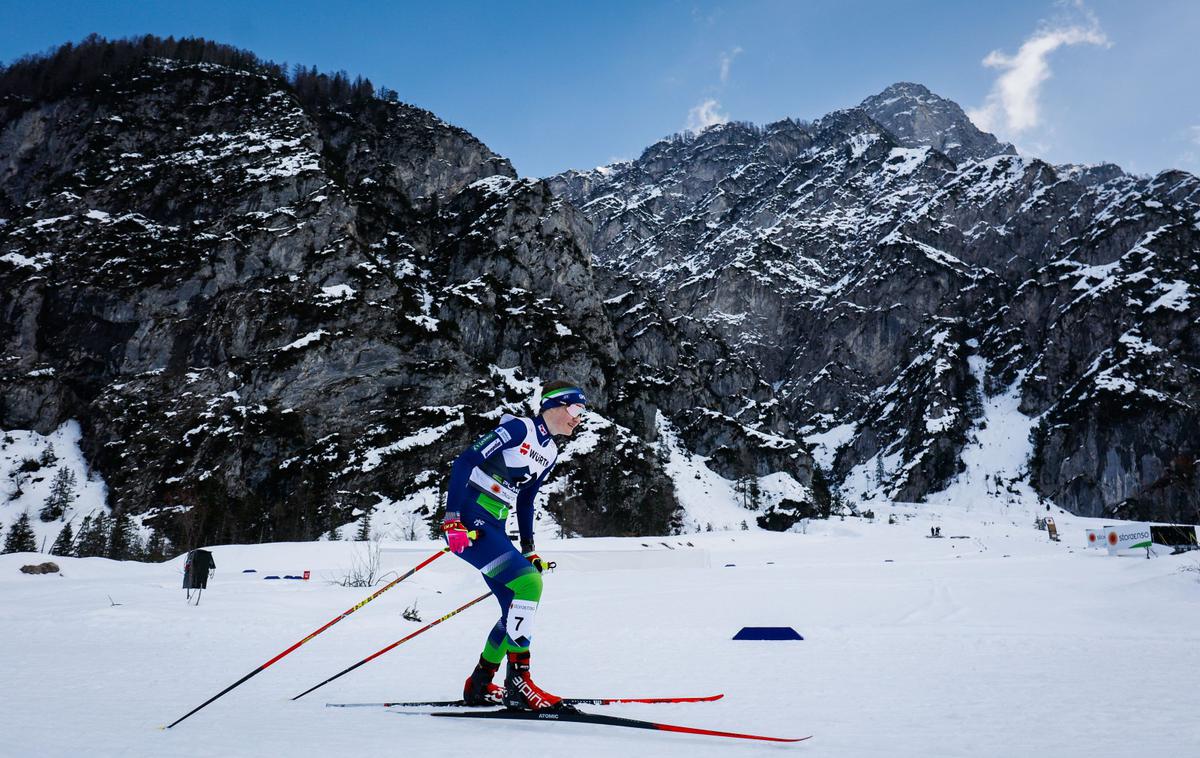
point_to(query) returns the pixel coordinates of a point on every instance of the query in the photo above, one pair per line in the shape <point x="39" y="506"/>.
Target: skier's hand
<point x="457" y="536"/>
<point x="538" y="562"/>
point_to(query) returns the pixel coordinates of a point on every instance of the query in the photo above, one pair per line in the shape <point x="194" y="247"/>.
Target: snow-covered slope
<point x="29" y="463"/>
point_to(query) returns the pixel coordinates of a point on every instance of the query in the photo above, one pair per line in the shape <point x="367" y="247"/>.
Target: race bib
<point x="520" y="620"/>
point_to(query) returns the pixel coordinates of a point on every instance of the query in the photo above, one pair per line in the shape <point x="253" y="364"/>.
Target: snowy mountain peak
<point x="919" y="118"/>
<point x="893" y="270"/>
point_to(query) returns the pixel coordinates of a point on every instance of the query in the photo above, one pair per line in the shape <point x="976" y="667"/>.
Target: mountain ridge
<point x="275" y="311"/>
<point x="849" y="241"/>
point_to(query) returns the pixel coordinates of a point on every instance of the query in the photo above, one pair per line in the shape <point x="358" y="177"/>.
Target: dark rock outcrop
<point x="272" y="311"/>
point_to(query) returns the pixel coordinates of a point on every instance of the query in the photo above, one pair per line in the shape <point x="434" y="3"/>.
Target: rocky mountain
<point x="277" y="304"/>
<point x="919" y="118"/>
<point x="889" y="268"/>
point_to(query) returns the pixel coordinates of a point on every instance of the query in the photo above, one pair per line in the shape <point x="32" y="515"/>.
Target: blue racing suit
<point x="502" y="471"/>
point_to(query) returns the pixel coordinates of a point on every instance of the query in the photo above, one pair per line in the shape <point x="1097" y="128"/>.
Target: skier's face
<point x="562" y="420"/>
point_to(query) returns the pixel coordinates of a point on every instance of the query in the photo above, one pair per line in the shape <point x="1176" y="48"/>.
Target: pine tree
<point x="93" y="537"/>
<point x="156" y="547"/>
<point x="62" y="494"/>
<point x="84" y="527"/>
<point x="755" y="493"/>
<point x="124" y="544"/>
<point x="65" y="544"/>
<point x="364" y="529"/>
<point x="49" y="457"/>
<point x="20" y="537"/>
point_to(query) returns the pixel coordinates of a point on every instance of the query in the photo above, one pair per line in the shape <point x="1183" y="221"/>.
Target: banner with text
<point x="1127" y="537"/>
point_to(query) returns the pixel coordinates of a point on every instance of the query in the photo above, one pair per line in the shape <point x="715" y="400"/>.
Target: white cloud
<point x="727" y="62"/>
<point x="704" y="115"/>
<point x="1012" y="106"/>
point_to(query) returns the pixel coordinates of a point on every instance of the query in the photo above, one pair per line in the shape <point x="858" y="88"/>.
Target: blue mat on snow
<point x="767" y="633"/>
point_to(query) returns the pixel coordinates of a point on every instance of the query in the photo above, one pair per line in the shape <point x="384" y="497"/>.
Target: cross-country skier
<point x="502" y="471"/>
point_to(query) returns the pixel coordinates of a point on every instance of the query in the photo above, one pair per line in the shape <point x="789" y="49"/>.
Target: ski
<point x="581" y="717"/>
<point x="568" y="700"/>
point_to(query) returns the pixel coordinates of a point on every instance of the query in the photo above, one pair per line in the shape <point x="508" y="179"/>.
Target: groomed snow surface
<point x="998" y="644"/>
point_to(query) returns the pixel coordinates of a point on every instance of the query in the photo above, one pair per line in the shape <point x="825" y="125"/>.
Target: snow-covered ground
<point x="997" y="644"/>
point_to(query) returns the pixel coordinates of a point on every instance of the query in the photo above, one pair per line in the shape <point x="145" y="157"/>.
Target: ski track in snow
<point x="999" y="645"/>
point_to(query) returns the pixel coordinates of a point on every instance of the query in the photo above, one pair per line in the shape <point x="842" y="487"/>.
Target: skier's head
<point x="562" y="407"/>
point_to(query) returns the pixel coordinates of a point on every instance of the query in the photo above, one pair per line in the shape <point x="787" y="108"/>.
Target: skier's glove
<point x="538" y="562"/>
<point x="457" y="536"/>
<point x="532" y="556"/>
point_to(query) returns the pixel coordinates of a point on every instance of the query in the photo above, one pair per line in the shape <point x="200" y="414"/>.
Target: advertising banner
<point x="1126" y="537"/>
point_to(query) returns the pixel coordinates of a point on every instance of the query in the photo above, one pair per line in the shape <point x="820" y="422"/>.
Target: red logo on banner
<point x="1112" y="538"/>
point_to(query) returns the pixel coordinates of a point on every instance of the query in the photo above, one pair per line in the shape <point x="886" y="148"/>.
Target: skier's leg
<point x="517" y="579"/>
<point x="493" y="555"/>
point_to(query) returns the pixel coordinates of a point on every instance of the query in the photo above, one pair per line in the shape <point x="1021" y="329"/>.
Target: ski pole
<point x="401" y="641"/>
<point x="336" y="619"/>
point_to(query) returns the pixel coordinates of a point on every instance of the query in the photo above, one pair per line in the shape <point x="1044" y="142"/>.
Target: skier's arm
<point x="505" y="436"/>
<point x="525" y="511"/>
<point x="525" y="517"/>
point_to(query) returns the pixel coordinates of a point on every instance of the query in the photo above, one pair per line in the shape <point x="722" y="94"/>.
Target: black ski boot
<point x="479" y="689"/>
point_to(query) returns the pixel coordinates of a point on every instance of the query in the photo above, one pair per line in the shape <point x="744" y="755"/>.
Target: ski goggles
<point x="567" y="396"/>
<point x="575" y="410"/>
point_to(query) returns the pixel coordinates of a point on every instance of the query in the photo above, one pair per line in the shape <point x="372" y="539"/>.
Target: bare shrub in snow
<point x="364" y="569"/>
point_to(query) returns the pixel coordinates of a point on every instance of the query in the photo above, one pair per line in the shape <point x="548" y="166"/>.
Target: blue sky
<point x="575" y="85"/>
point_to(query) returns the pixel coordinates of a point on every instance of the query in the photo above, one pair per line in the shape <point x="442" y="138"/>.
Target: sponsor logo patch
<point x="503" y="434"/>
<point x="529" y="452"/>
<point x="491" y="448"/>
<point x="484" y="440"/>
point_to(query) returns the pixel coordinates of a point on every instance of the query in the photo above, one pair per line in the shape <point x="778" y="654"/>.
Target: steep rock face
<point x="890" y="266"/>
<point x="919" y="118"/>
<point x="272" y="314"/>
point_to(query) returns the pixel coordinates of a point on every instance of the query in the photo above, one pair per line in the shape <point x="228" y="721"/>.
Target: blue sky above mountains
<point x="557" y="86"/>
